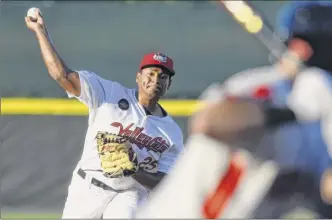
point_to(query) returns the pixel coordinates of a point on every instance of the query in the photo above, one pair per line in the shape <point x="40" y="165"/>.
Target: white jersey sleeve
<point x="92" y="89"/>
<point x="168" y="158"/>
<point x="309" y="95"/>
<point x="246" y="82"/>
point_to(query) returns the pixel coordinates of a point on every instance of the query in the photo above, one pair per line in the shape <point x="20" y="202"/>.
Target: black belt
<point x="94" y="181"/>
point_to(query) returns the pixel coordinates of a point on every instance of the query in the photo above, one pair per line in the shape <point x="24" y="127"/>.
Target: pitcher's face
<point x="153" y="81"/>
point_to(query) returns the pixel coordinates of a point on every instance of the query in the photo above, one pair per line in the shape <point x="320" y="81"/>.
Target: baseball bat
<point x="254" y="23"/>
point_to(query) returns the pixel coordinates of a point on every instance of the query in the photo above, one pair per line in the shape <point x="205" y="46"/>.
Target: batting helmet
<point x="310" y="21"/>
<point x="304" y="18"/>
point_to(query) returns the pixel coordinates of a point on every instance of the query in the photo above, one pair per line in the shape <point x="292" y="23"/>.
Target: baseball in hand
<point x="32" y="14"/>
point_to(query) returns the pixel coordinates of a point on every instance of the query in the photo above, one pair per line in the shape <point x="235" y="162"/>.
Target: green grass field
<point x="29" y="216"/>
<point x="296" y="214"/>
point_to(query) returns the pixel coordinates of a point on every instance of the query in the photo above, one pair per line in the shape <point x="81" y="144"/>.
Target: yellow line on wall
<point x="55" y="106"/>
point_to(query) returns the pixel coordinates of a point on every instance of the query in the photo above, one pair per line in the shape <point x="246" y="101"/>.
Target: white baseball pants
<point x="87" y="201"/>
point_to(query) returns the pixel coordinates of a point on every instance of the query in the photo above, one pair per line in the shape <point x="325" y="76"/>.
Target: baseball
<point x="32" y="14"/>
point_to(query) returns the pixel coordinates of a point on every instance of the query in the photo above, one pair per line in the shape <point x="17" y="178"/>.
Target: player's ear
<point x="169" y="83"/>
<point x="301" y="47"/>
<point x="138" y="76"/>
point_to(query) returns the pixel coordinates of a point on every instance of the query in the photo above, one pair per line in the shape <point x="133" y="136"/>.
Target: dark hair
<point x="160" y="66"/>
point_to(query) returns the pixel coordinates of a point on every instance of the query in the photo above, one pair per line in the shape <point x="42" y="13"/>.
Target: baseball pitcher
<point x="131" y="141"/>
<point x="240" y="178"/>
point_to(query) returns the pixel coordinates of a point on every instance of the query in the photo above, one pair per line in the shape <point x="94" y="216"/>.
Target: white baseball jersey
<point x="311" y="100"/>
<point x="115" y="109"/>
<point x="247" y="82"/>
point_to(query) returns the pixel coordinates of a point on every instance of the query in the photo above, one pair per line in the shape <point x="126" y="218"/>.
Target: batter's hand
<point x="35" y="25"/>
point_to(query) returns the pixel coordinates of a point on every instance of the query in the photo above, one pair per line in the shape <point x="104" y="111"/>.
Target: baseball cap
<point x="158" y="59"/>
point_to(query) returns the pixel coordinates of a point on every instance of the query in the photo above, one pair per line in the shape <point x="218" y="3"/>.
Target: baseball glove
<point x="116" y="154"/>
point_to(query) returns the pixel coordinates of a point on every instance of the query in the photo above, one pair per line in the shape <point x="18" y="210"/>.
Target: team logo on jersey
<point x="162" y="58"/>
<point x="123" y="104"/>
<point x="136" y="136"/>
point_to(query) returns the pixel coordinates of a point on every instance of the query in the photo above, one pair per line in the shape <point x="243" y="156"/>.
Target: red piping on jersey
<point x="216" y="203"/>
<point x="262" y="92"/>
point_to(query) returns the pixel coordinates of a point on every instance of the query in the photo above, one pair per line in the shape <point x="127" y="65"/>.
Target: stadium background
<point x="41" y="137"/>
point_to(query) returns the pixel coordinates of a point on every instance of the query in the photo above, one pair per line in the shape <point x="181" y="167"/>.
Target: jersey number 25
<point x="148" y="164"/>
